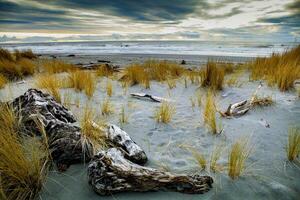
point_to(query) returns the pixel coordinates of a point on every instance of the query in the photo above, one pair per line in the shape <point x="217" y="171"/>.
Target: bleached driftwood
<point x="241" y="107"/>
<point x="64" y="138"/>
<point x="109" y="172"/>
<point x="148" y="97"/>
<point x="119" y="138"/>
<point x="39" y="112"/>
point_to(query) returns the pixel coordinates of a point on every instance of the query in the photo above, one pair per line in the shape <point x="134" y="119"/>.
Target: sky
<point x="209" y="20"/>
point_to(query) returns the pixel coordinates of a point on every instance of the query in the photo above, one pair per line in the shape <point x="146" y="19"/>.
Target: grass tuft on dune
<point x="24" y="161"/>
<point x="212" y="76"/>
<point x="293" y="144"/>
<point x="164" y="113"/>
<point x="237" y="157"/>
<point x="280" y="69"/>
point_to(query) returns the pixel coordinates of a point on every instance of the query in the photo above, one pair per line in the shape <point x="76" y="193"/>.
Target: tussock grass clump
<point x="16" y="70"/>
<point x="91" y="131"/>
<point x="280" y="69"/>
<point x="56" y="66"/>
<point x="28" y="54"/>
<point x="171" y="83"/>
<point x="200" y="158"/>
<point x="293" y="144"/>
<point x="152" y="70"/>
<point x="51" y="83"/>
<point x="105" y="70"/>
<point x="136" y="74"/>
<point x="215" y="156"/>
<point x="107" y="107"/>
<point x="24" y="161"/>
<point x="209" y="115"/>
<point x="212" y="76"/>
<point x="83" y="81"/>
<point x="3" y="81"/>
<point x="164" y="113"/>
<point x="237" y="157"/>
<point x="123" y="116"/>
<point x="6" y="55"/>
<point x="109" y="88"/>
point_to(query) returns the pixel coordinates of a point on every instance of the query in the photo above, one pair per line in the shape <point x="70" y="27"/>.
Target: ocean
<point x="203" y="48"/>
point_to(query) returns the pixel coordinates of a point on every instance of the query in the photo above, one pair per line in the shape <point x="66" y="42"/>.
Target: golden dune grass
<point x="83" y="81"/>
<point x="293" y="144"/>
<point x="50" y="83"/>
<point x="209" y="115"/>
<point x="23" y="160"/>
<point x="164" y="113"/>
<point x="89" y="131"/>
<point x="107" y="107"/>
<point x="27" y="54"/>
<point x="215" y="156"/>
<point x="135" y="74"/>
<point x="55" y="66"/>
<point x="6" y="55"/>
<point x="200" y="158"/>
<point x="212" y="76"/>
<point x="171" y="83"/>
<point x="17" y="68"/>
<point x="123" y="116"/>
<point x="280" y="69"/>
<point x="237" y="157"/>
<point x="105" y="70"/>
<point x="109" y="88"/>
<point x="3" y="81"/>
<point x="13" y="70"/>
<point x="152" y="70"/>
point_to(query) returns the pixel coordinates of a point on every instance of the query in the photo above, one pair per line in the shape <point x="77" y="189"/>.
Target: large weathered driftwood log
<point x="109" y="172"/>
<point x="39" y="110"/>
<point x="64" y="137"/>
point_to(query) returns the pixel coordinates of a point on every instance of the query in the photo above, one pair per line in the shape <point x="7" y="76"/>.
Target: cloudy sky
<point x="70" y="20"/>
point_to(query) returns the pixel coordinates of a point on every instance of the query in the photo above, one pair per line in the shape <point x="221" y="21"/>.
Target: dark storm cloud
<point x="292" y="20"/>
<point x="154" y="10"/>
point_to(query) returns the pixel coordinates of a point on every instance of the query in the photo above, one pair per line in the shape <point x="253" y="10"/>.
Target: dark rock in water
<point x="64" y="137"/>
<point x="103" y="61"/>
<point x="91" y="63"/>
<point x="109" y="172"/>
<point x="71" y="55"/>
<point x="53" y="56"/>
<point x="183" y="62"/>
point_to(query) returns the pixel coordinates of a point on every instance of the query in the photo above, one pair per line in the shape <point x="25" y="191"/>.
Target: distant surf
<point x="203" y="48"/>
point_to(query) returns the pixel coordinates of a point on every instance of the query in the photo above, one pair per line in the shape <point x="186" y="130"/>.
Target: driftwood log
<point x="109" y="172"/>
<point x="119" y="138"/>
<point x="37" y="108"/>
<point x="241" y="107"/>
<point x="37" y="111"/>
<point x="148" y="97"/>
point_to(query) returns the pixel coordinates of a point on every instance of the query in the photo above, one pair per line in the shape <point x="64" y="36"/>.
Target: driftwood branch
<point x="148" y="97"/>
<point x="109" y="172"/>
<point x="241" y="107"/>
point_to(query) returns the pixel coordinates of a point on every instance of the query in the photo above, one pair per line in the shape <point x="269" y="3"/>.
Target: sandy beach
<point x="269" y="175"/>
